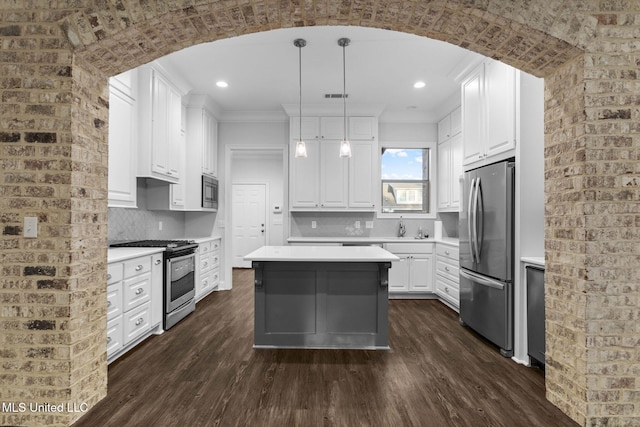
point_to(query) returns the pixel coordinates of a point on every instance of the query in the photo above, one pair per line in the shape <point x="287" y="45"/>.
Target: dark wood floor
<point x="204" y="372"/>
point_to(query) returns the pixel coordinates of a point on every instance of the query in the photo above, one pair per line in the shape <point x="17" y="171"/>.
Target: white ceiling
<point x="382" y="66"/>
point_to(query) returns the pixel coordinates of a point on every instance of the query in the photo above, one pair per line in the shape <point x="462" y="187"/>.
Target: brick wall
<point x="53" y="111"/>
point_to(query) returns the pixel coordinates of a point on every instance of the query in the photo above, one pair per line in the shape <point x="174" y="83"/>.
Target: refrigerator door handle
<point x="475" y="254"/>
<point x="479" y="221"/>
<point x="470" y="220"/>
<point x="482" y="280"/>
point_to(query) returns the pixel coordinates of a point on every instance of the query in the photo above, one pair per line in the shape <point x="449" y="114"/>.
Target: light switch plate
<point x="313" y="224"/>
<point x="31" y="227"/>
<point x="357" y="224"/>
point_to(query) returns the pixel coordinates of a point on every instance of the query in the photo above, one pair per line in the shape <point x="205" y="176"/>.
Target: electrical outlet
<point x="357" y="224"/>
<point x="159" y="225"/>
<point x="313" y="224"/>
<point x="368" y="224"/>
<point x="31" y="227"/>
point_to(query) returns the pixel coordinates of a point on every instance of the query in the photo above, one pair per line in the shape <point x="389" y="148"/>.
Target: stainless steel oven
<point x="179" y="278"/>
<point x="180" y="291"/>
<point x="209" y="192"/>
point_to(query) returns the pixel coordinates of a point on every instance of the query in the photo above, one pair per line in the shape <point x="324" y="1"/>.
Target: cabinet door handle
<point x="446" y="269"/>
<point x="205" y="283"/>
<point x="108" y="277"/>
<point x="446" y="289"/>
<point x="446" y="252"/>
<point x="206" y="264"/>
<point x="109" y="340"/>
<point x="140" y="321"/>
<point x="139" y="267"/>
<point x="139" y="291"/>
<point x="109" y="304"/>
<point x="158" y="262"/>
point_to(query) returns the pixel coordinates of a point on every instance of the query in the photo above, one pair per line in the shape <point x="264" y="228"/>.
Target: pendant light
<point x="345" y="147"/>
<point x="301" y="148"/>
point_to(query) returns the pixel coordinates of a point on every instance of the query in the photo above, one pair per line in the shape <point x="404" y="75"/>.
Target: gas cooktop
<point x="169" y="244"/>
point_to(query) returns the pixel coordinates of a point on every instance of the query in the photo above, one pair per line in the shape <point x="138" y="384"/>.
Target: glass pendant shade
<point x="301" y="149"/>
<point x="345" y="149"/>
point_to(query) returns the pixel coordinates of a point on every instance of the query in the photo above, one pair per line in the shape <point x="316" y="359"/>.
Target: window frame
<point x="433" y="174"/>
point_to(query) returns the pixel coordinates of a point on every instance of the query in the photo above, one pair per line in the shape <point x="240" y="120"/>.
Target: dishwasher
<point x="535" y="316"/>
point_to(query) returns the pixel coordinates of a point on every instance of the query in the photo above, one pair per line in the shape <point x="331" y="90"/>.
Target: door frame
<point x="266" y="210"/>
<point x="227" y="220"/>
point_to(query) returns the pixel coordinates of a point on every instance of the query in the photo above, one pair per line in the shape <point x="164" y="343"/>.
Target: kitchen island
<point x="321" y="296"/>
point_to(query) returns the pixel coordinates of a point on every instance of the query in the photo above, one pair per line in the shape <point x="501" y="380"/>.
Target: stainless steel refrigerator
<point x="486" y="253"/>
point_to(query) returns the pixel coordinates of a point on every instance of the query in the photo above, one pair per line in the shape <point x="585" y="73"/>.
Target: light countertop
<point x="322" y="254"/>
<point x="121" y="254"/>
<point x="370" y="240"/>
<point x="539" y="261"/>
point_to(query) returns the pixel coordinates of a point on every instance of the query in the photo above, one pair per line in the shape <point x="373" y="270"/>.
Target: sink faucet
<point x="401" y="229"/>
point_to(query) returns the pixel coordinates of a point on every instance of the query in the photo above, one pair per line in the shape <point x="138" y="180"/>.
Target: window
<point x="406" y="187"/>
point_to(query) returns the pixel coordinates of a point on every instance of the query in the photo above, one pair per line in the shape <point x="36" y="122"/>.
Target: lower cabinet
<point x="447" y="274"/>
<point x="208" y="268"/>
<point x="134" y="302"/>
<point x="413" y="273"/>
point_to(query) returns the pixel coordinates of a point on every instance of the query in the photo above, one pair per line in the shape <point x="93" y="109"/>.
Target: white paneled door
<point x="248" y="221"/>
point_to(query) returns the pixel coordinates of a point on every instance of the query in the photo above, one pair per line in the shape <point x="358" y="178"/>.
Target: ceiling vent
<point x="335" y="95"/>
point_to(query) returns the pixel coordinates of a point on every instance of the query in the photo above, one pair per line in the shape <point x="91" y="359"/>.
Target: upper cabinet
<point x="488" y="114"/>
<point x="160" y="143"/>
<point x="324" y="180"/>
<point x="449" y="161"/>
<point x="122" y="140"/>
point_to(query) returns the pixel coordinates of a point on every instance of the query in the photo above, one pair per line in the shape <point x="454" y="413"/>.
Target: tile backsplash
<point x="141" y="224"/>
<point x="345" y="224"/>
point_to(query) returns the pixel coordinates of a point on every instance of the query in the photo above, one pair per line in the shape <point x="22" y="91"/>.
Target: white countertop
<point x="121" y="254"/>
<point x="533" y="260"/>
<point x="322" y="254"/>
<point x="371" y="240"/>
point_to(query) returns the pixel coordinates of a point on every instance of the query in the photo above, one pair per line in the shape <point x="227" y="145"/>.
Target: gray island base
<point x="321" y="297"/>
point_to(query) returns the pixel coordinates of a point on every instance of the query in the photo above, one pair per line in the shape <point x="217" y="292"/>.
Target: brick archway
<point x="54" y="166"/>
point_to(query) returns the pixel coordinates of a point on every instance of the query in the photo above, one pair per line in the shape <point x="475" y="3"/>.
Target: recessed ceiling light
<point x="222" y="84"/>
<point x="419" y="85"/>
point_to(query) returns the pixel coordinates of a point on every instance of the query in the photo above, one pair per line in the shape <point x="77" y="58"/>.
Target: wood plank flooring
<point x="204" y="372"/>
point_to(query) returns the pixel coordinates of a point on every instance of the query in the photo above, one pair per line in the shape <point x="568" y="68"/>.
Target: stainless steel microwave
<point x="209" y="192"/>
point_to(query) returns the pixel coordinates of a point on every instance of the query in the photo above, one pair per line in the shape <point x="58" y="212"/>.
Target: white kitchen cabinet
<point x="449" y="174"/>
<point x="363" y="172"/>
<point x="208" y="262"/>
<point x="333" y="175"/>
<point x="488" y="114"/>
<point x="160" y="145"/>
<point x="500" y="81"/>
<point x="304" y="176"/>
<point x="450" y="125"/>
<point x="473" y="112"/>
<point x="413" y="273"/>
<point x="134" y="302"/>
<point x="324" y="180"/>
<point x="447" y="274"/>
<point x="123" y="140"/>
<point x="363" y="129"/>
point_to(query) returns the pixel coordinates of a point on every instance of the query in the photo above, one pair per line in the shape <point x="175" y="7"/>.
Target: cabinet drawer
<point x="204" y="248"/>
<point x="136" y="266"/>
<point x="114" y="273"/>
<point x="215" y="277"/>
<point x="206" y="263"/>
<point x="447" y="269"/>
<point x="114" y="301"/>
<point x="447" y="251"/>
<point x="448" y="290"/>
<point x="409" y="248"/>
<point x="137" y="290"/>
<point x="215" y="261"/>
<point x="206" y="283"/>
<point x="114" y="335"/>
<point x="136" y="322"/>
